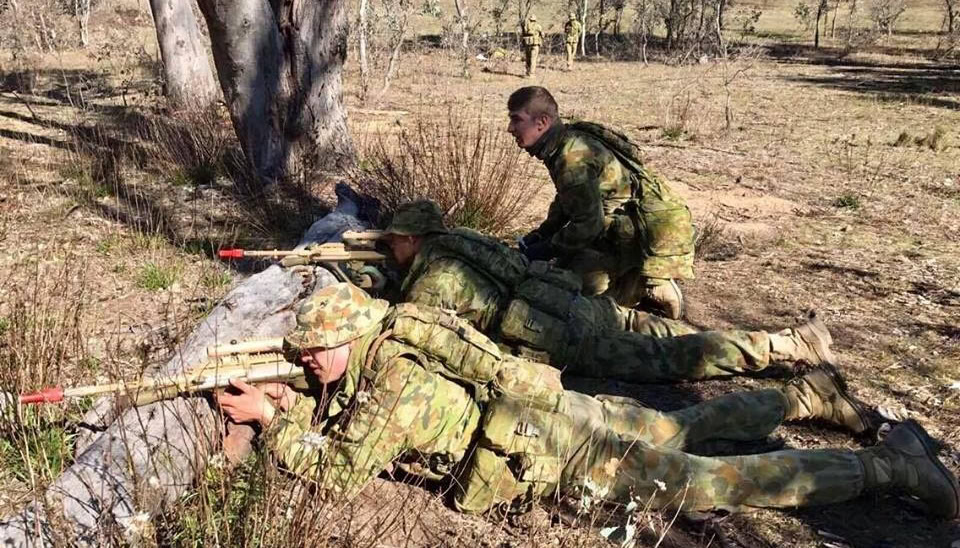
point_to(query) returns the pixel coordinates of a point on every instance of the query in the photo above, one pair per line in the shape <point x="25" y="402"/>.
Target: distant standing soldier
<point x="572" y="31"/>
<point x="532" y="40"/>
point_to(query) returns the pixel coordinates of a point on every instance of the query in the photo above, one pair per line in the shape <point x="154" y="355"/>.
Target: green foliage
<point x="674" y="133"/>
<point x="215" y="280"/>
<point x="225" y="504"/>
<point x="109" y="244"/>
<point x="4" y="326"/>
<point x="38" y="448"/>
<point x="157" y="277"/>
<point x="847" y="201"/>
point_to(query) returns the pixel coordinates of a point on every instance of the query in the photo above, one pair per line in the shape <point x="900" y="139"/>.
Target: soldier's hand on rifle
<point x="246" y="403"/>
<point x="282" y="395"/>
<point x="372" y="278"/>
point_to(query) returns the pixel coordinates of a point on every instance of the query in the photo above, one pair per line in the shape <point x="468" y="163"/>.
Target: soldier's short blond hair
<point x="535" y="100"/>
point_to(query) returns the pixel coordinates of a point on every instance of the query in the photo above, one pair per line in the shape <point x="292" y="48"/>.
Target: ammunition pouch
<point x="520" y="456"/>
<point x="529" y="40"/>
<point x="537" y="319"/>
<point x="462" y="352"/>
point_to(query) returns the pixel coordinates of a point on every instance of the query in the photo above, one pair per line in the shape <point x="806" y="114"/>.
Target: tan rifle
<point x="254" y="361"/>
<point x="329" y="255"/>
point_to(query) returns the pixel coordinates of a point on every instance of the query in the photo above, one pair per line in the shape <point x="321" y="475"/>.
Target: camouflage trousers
<point x="571" y="53"/>
<point x="637" y="358"/>
<point x="603" y="273"/>
<point x="532" y="56"/>
<point x="628" y="451"/>
<point x="604" y="313"/>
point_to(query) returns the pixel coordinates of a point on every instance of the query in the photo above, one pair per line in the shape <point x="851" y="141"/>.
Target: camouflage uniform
<point x="428" y="392"/>
<point x="538" y="310"/>
<point x="613" y="221"/>
<point x="571" y="31"/>
<point x="532" y="40"/>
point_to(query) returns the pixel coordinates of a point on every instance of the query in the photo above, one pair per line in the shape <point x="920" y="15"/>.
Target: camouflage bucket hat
<point x="416" y="219"/>
<point x="335" y="315"/>
<point x="571" y="15"/>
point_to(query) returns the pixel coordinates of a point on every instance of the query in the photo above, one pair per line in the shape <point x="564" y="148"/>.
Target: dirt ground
<point x="785" y="154"/>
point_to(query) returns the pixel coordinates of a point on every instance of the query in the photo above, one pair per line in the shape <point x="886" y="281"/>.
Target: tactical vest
<point x="525" y="430"/>
<point x="536" y="299"/>
<point x="654" y="216"/>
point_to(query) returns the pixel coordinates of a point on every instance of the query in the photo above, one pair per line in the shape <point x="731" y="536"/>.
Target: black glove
<point x="540" y="251"/>
<point x="528" y="240"/>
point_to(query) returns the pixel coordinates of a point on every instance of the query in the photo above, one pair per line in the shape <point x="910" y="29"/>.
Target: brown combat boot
<point x="822" y="394"/>
<point x="663" y="296"/>
<point x="809" y="342"/>
<point x="907" y="460"/>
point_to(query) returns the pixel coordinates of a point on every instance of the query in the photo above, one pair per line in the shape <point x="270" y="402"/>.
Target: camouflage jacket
<point x="591" y="207"/>
<point x="532" y="33"/>
<point x="460" y="280"/>
<point x="403" y="413"/>
<point x="590" y="185"/>
<point x="572" y="31"/>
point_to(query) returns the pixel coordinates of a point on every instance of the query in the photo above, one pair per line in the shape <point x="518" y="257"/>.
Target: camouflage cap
<point x="533" y="17"/>
<point x="335" y="315"/>
<point x="416" y="218"/>
<point x="572" y="15"/>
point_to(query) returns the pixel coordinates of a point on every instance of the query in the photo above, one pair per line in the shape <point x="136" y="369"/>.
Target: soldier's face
<point x="404" y="249"/>
<point x="327" y="364"/>
<point x="527" y="129"/>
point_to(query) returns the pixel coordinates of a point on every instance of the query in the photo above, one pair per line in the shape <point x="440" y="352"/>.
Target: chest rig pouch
<point x="537" y="317"/>
<point x="525" y="441"/>
<point x="453" y="347"/>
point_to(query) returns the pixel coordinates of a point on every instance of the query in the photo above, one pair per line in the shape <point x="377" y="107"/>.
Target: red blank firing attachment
<point x="230" y="253"/>
<point x="47" y="395"/>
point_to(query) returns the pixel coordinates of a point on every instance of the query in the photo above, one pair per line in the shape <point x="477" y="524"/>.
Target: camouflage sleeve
<point x="452" y="285"/>
<point x="403" y="409"/>
<point x="579" y="200"/>
<point x="554" y="221"/>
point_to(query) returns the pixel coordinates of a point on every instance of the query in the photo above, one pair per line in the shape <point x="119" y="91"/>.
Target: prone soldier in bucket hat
<point x="539" y="311"/>
<point x="418" y="388"/>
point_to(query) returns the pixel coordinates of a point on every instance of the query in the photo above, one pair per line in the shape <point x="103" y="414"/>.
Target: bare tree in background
<point x="950" y="15"/>
<point x="280" y="67"/>
<point x="81" y="10"/>
<point x="188" y="78"/>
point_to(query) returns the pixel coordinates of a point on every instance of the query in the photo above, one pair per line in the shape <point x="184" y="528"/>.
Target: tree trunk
<point x="280" y="67"/>
<point x="364" y="67"/>
<point x="951" y="15"/>
<point x="149" y="456"/>
<point x="816" y="32"/>
<point x="583" y="32"/>
<point x="189" y="80"/>
<point x="81" y="10"/>
<point x="462" y="15"/>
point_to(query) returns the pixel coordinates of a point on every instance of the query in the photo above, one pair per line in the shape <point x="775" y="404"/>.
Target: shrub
<point x="470" y="168"/>
<point x="847" y="201"/>
<point x="156" y="277"/>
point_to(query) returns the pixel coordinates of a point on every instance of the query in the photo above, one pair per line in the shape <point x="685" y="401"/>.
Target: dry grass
<point x="811" y="137"/>
<point x="469" y="167"/>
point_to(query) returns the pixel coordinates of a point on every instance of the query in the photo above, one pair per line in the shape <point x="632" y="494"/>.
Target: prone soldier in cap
<point x="423" y="390"/>
<point x="532" y="40"/>
<point x="571" y="32"/>
<point x="613" y="221"/>
<point x="539" y="311"/>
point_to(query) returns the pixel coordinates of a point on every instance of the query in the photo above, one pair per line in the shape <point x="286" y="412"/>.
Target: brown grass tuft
<point x="470" y="168"/>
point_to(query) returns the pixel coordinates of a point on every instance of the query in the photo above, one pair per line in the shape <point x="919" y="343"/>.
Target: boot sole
<point x="841" y="383"/>
<point x="930" y="447"/>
